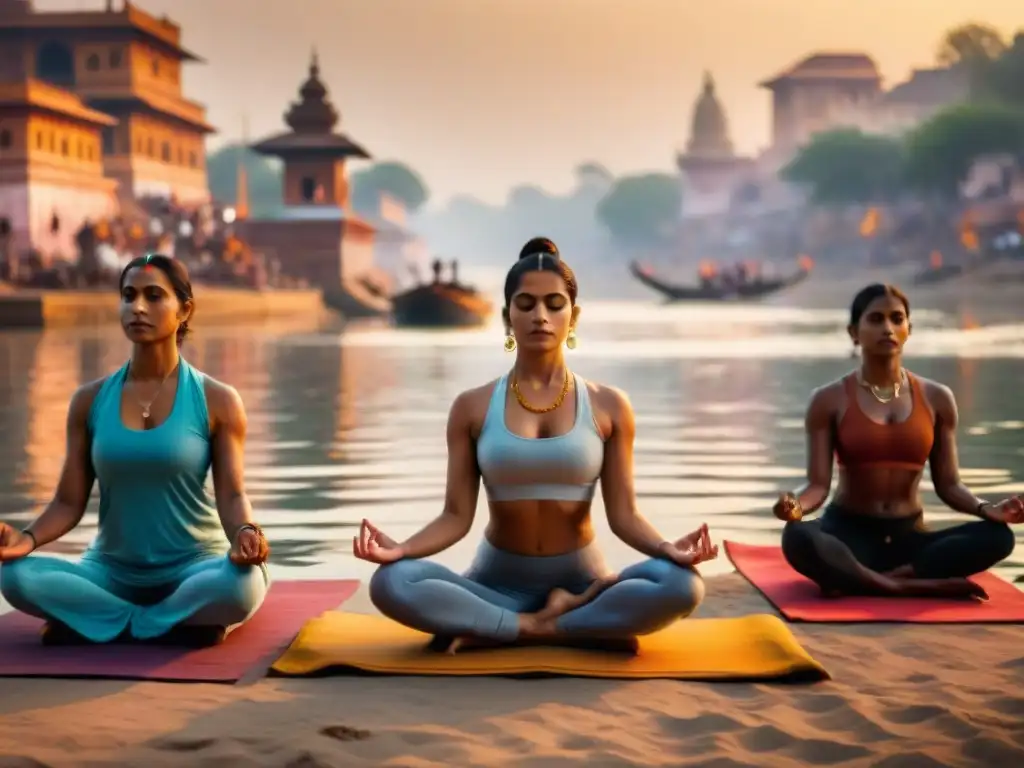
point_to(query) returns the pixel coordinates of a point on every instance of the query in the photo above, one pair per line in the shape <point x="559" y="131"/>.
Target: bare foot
<point x="451" y="645"/>
<point x="955" y="589"/>
<point x="561" y="601"/>
<point x="903" y="572"/>
<point x="539" y="626"/>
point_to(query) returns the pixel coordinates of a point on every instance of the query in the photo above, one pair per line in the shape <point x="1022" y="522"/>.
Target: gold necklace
<point x="147" y="405"/>
<point x="884" y="395"/>
<point x="547" y="409"/>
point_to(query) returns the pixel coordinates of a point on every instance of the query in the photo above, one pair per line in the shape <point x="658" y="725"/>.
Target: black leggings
<point x="828" y="551"/>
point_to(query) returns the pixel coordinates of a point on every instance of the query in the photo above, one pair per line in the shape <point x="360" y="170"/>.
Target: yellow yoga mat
<point x="758" y="647"/>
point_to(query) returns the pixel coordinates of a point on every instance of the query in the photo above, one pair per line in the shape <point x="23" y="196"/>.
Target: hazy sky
<point x="482" y="95"/>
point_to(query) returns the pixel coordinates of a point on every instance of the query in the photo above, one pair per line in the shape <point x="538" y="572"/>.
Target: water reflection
<point x="343" y="427"/>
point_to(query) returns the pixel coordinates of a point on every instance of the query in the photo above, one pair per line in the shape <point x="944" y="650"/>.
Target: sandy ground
<point x="901" y="696"/>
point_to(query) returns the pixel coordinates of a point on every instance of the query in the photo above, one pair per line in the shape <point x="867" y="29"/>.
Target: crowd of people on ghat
<point x="175" y="564"/>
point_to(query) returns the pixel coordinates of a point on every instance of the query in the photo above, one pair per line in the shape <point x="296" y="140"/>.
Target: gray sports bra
<point x="561" y="468"/>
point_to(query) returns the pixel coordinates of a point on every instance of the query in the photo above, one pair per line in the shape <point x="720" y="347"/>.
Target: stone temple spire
<point x="313" y="113"/>
<point x="709" y="132"/>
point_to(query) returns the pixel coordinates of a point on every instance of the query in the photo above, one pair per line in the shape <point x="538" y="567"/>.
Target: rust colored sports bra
<point x="862" y="442"/>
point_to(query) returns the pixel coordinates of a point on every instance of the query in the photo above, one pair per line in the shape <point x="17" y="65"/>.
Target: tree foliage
<point x="390" y="178"/>
<point x="972" y="42"/>
<point x="848" y="167"/>
<point x="941" y="151"/>
<point x="1003" y="78"/>
<point x="263" y="178"/>
<point x="644" y="208"/>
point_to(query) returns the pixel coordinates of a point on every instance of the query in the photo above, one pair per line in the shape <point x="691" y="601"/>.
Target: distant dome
<point x="709" y="132"/>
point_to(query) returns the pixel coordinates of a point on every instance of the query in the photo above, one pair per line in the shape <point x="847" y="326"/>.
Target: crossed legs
<point x="842" y="560"/>
<point x="87" y="598"/>
<point x="434" y="599"/>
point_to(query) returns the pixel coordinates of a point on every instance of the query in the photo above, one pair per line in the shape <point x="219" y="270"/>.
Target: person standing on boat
<point x="168" y="563"/>
<point x="540" y="438"/>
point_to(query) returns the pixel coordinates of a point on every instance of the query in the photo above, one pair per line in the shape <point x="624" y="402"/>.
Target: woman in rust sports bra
<point x="883" y="424"/>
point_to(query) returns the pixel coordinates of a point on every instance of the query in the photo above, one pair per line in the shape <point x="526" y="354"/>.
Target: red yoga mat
<point x="799" y="599"/>
<point x="251" y="648"/>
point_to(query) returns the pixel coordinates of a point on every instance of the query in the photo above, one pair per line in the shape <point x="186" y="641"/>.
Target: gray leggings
<point x="486" y="601"/>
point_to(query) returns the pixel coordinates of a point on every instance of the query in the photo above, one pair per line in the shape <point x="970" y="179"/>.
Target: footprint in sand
<point x="909" y="760"/>
<point x="699" y="725"/>
<point x="307" y="760"/>
<point x="344" y="733"/>
<point x="185" y="745"/>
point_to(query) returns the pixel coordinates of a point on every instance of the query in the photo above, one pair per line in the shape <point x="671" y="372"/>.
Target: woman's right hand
<point x="14" y="544"/>
<point x="787" y="508"/>
<point x="374" y="546"/>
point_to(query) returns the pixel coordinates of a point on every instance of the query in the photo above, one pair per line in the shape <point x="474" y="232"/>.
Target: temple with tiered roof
<point x="316" y="237"/>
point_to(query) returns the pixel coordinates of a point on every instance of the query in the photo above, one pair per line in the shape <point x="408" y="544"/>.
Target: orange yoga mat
<point x="757" y="647"/>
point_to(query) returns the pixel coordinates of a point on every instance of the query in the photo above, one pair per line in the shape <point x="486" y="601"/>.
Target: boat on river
<point x="750" y="290"/>
<point x="441" y="305"/>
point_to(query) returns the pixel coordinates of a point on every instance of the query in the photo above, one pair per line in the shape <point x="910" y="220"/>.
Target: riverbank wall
<point x="214" y="306"/>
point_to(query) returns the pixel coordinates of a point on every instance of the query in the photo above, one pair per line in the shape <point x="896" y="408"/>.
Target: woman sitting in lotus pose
<point x="883" y="424"/>
<point x="167" y="564"/>
<point x="540" y="437"/>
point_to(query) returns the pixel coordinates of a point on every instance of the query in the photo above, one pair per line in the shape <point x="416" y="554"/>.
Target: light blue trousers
<point x="486" y="601"/>
<point x="88" y="596"/>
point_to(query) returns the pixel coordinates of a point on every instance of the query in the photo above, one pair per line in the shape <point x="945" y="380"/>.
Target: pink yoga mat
<point x="251" y="648"/>
<point x="799" y="599"/>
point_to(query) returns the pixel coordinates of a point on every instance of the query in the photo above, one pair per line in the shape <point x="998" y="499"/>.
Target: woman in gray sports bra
<point x="540" y="438"/>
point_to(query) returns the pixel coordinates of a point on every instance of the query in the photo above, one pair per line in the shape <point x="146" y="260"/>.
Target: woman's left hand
<point x="250" y="547"/>
<point x="692" y="549"/>
<point x="1009" y="511"/>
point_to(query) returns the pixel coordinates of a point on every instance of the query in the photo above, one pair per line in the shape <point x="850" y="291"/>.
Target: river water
<point x="346" y="425"/>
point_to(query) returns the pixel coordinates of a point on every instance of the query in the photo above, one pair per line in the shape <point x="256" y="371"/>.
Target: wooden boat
<point x="751" y="290"/>
<point x="440" y="305"/>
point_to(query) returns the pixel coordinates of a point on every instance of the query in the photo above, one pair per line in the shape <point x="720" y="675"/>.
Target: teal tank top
<point x="156" y="515"/>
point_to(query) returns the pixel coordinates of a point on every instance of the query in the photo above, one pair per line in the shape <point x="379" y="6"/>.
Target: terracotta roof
<point x="160" y="31"/>
<point x="312" y="120"/>
<point x="857" y="67"/>
<point x="337" y="144"/>
<point x="35" y="93"/>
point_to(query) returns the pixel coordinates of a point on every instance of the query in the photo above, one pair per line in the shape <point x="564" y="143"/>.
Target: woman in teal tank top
<point x="169" y="564"/>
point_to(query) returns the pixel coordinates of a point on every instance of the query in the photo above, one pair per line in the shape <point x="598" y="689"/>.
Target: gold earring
<point x="570" y="340"/>
<point x="510" y="343"/>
